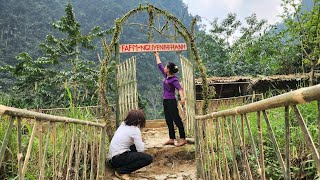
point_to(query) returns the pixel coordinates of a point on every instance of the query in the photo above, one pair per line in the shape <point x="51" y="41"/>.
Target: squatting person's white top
<point x="124" y="137"/>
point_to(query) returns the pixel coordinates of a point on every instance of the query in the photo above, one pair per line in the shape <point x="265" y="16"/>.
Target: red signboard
<point x="153" y="47"/>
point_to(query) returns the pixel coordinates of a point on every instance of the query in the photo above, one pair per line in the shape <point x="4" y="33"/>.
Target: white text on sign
<point x="153" y="47"/>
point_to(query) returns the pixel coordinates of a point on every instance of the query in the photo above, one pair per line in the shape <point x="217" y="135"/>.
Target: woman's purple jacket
<point x="169" y="84"/>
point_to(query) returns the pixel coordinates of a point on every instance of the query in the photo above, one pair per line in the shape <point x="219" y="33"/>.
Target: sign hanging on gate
<point x="153" y="47"/>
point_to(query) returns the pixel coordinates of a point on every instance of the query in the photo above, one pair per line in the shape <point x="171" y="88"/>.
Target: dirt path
<point x="169" y="163"/>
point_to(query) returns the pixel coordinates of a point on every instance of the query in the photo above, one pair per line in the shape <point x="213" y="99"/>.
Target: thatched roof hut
<point x="242" y="85"/>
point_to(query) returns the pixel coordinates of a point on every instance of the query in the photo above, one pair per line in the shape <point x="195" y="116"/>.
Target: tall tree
<point x="60" y="65"/>
<point x="304" y="26"/>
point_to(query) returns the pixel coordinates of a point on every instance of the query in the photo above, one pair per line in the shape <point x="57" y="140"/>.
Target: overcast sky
<point x="210" y="9"/>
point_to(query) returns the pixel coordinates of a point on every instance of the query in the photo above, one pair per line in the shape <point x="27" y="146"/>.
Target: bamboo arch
<point x="188" y="36"/>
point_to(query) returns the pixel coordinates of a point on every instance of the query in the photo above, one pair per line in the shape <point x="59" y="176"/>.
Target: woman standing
<point x="170" y="84"/>
<point x="126" y="148"/>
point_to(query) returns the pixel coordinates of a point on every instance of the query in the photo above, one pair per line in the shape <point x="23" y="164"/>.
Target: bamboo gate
<point x="58" y="145"/>
<point x="189" y="91"/>
<point x="127" y="88"/>
<point x="229" y="147"/>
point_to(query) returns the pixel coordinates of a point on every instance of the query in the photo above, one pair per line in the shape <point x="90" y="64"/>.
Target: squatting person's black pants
<point x="172" y="115"/>
<point x="130" y="161"/>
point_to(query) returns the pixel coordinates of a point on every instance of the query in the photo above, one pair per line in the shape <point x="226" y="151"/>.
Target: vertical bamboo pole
<point x="54" y="150"/>
<point x="135" y="84"/>
<point x="127" y="89"/>
<point x="259" y="122"/>
<point x="26" y="160"/>
<point x="204" y="175"/>
<point x="122" y="92"/>
<point x="235" y="168"/>
<point x="93" y="143"/>
<point x="19" y="153"/>
<point x="275" y="144"/>
<point x="253" y="144"/>
<point x="40" y="147"/>
<point x="85" y="154"/>
<point x="117" y="60"/>
<point x="42" y="170"/>
<point x="6" y="140"/>
<point x="218" y="146"/>
<point x="226" y="167"/>
<point x="318" y="124"/>
<point x="74" y="134"/>
<point x="288" y="155"/>
<point x="66" y="141"/>
<point x="78" y="155"/>
<point x="307" y="137"/>
<point x="197" y="142"/>
<point x="242" y="145"/>
<point x="212" y="164"/>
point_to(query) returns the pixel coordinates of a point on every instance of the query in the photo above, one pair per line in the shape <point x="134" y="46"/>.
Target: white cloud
<point x="211" y="9"/>
<point x="232" y="4"/>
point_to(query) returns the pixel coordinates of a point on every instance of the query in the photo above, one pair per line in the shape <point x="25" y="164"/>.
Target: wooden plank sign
<point x="153" y="47"/>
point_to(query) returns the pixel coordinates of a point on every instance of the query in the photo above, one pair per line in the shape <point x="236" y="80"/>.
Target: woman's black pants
<point x="130" y="161"/>
<point x="172" y="115"/>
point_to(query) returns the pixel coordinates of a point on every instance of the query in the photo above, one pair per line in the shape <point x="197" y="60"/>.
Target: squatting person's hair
<point x="135" y="118"/>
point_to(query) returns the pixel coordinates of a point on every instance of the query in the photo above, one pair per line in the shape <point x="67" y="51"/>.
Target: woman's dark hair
<point x="135" y="118"/>
<point x="173" y="68"/>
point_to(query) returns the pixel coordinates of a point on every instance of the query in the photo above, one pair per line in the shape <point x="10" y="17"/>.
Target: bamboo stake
<point x="275" y="144"/>
<point x="233" y="145"/>
<point x="135" y="84"/>
<point x="226" y="167"/>
<point x="26" y="160"/>
<point x="259" y="122"/>
<point x="211" y="164"/>
<point x="218" y="147"/>
<point x="19" y="153"/>
<point x="197" y="142"/>
<point x="92" y="153"/>
<point x="40" y="148"/>
<point x="99" y="157"/>
<point x="204" y="176"/>
<point x="78" y="155"/>
<point x="54" y="151"/>
<point x="242" y="144"/>
<point x="85" y="156"/>
<point x="66" y="141"/>
<point x="42" y="170"/>
<point x="74" y="134"/>
<point x="253" y="144"/>
<point x="6" y="140"/>
<point x="318" y="124"/>
<point x="288" y="155"/>
<point x="103" y="158"/>
<point x="307" y="137"/>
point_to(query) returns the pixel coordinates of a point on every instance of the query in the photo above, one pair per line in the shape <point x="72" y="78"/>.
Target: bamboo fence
<point x="127" y="87"/>
<point x="228" y="147"/>
<point x="57" y="145"/>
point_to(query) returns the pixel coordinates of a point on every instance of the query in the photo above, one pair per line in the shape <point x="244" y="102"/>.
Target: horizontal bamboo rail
<point x="74" y="137"/>
<point x="230" y="145"/>
<point x="299" y="96"/>
<point x="5" y="110"/>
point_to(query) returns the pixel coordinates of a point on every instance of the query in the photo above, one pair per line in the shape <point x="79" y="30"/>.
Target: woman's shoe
<point x="169" y="142"/>
<point x="122" y="176"/>
<point x="181" y="142"/>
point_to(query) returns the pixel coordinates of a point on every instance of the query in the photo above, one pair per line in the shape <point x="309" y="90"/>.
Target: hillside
<point x="24" y="25"/>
